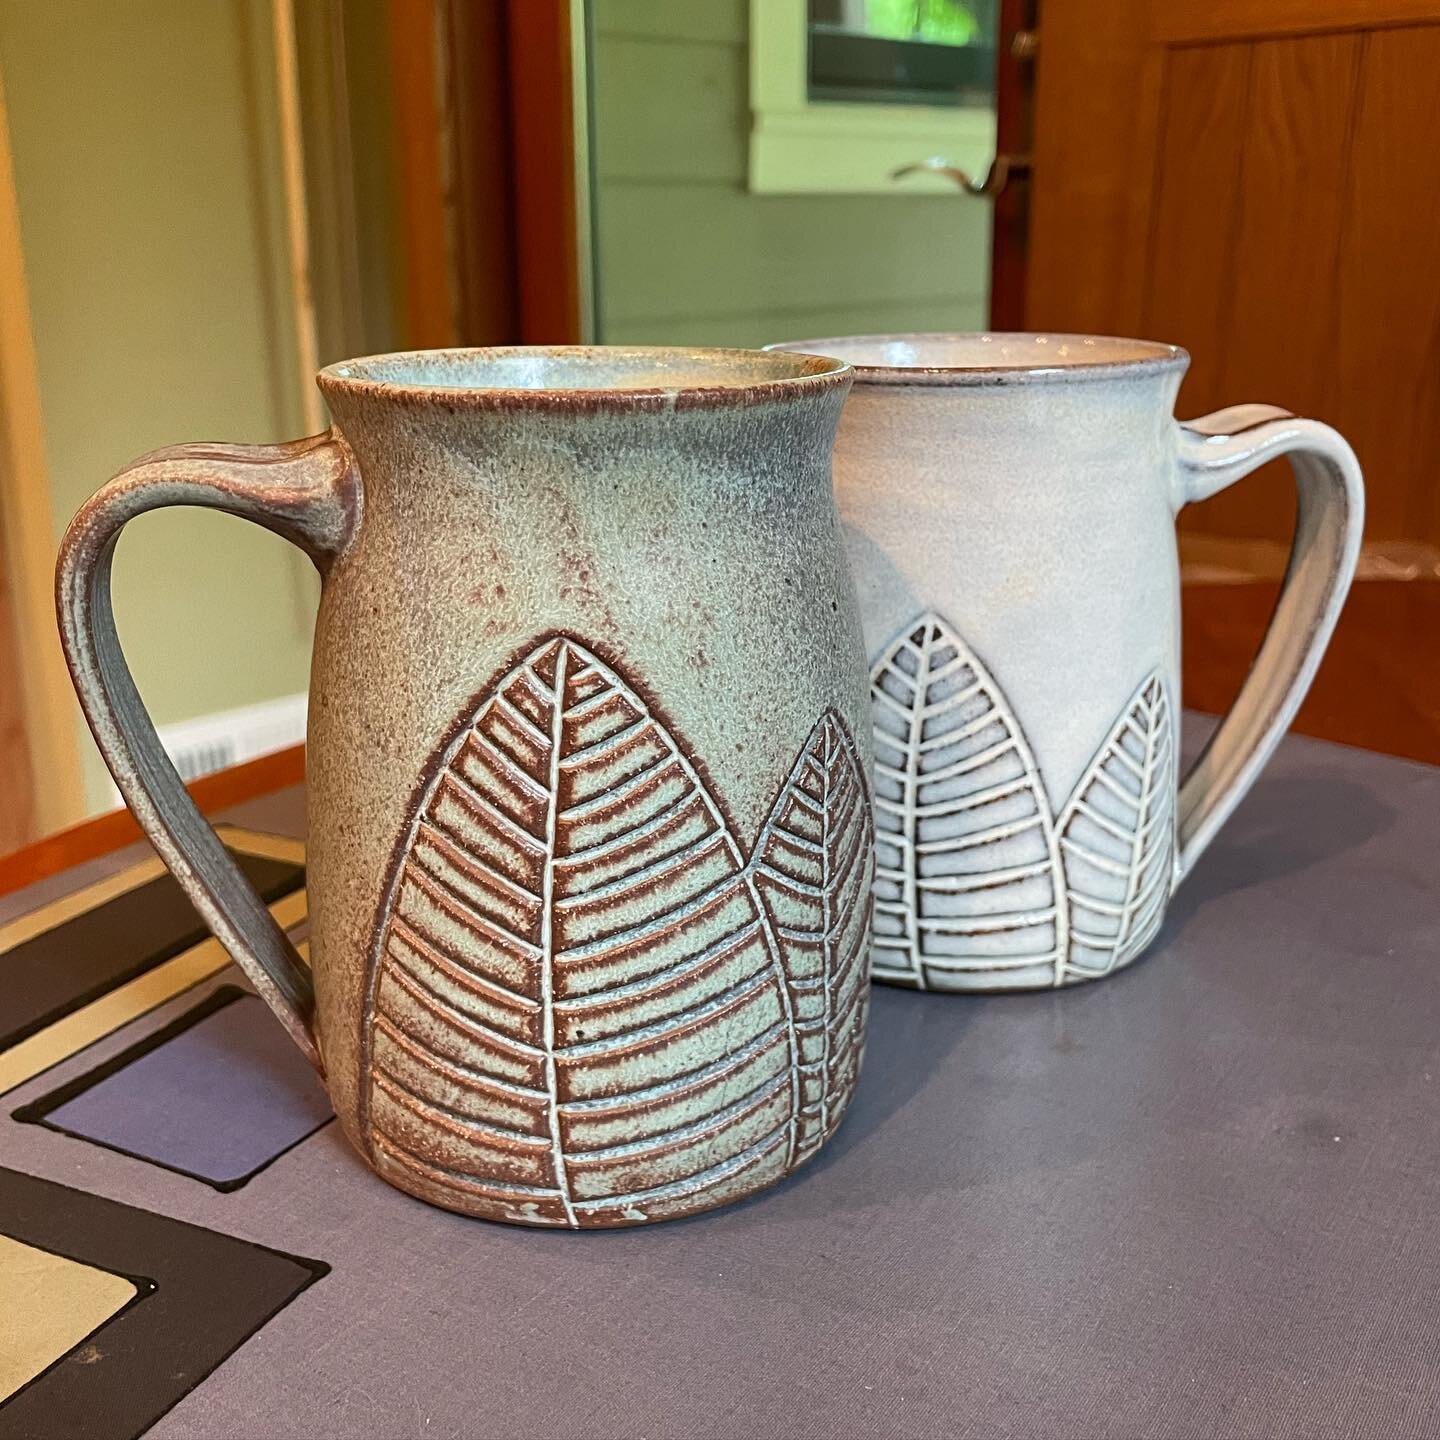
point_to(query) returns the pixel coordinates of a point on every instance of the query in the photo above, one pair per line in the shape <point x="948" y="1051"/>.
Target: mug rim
<point x="383" y="376"/>
<point x="1130" y="358"/>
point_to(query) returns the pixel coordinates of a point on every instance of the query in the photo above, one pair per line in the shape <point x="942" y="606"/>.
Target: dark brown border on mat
<point x="90" y="930"/>
<point x="209" y="1293"/>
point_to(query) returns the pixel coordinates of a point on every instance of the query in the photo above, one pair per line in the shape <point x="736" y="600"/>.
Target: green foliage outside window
<point x="941" y="22"/>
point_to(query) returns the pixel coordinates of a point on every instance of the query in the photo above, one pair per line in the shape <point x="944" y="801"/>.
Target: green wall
<point x="686" y="255"/>
<point x="147" y="173"/>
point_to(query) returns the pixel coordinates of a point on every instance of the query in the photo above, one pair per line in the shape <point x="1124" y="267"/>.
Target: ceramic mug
<point x="1010" y="505"/>
<point x="590" y="855"/>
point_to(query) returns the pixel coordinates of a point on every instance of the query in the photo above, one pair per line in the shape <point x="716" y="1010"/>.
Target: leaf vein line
<point x="662" y="979"/>
<point x="512" y="768"/>
<point x="465" y="914"/>
<point x="678" y="1084"/>
<point x="591" y="754"/>
<point x="470" y="797"/>
<point x="425" y="995"/>
<point x="527" y="726"/>
<point x="653" y="927"/>
<point x="632" y="879"/>
<point x="464" y="1075"/>
<point x="608" y="799"/>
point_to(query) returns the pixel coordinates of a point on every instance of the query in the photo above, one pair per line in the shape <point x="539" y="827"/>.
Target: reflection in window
<point x="905" y="52"/>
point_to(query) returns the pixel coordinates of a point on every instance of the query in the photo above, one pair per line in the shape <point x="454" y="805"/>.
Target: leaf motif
<point x="571" y="941"/>
<point x="969" y="889"/>
<point x="1118" y="838"/>
<point x="812" y="869"/>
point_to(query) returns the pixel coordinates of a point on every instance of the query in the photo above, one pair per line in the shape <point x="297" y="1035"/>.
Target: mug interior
<point x="565" y="370"/>
<point x="990" y="358"/>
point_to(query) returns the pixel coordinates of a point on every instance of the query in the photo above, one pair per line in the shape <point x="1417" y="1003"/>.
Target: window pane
<point x="908" y="52"/>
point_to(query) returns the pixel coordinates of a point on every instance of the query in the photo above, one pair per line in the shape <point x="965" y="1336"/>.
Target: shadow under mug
<point x="1009" y="503"/>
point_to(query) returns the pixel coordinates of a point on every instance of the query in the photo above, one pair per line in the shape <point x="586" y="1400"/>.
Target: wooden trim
<point x="415" y="36"/>
<point x="93" y="838"/>
<point x="297" y="218"/>
<point x="1181" y="22"/>
<point x="582" y="135"/>
<point x="1010" y="220"/>
<point x="482" y="164"/>
<point x="490" y="129"/>
<point x="28" y="527"/>
<point x="542" y="124"/>
<point x="17" y="774"/>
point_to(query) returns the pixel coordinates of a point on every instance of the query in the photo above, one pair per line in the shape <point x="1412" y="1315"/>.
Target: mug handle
<point x="1215" y="452"/>
<point x="309" y="492"/>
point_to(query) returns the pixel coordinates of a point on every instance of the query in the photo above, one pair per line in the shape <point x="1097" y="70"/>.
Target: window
<point x="916" y="52"/>
<point x="845" y="92"/>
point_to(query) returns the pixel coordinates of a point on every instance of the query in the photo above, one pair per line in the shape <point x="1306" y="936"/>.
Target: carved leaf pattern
<point x="1118" y="838"/>
<point x="812" y="868"/>
<point x="581" y="1016"/>
<point x="968" y="891"/>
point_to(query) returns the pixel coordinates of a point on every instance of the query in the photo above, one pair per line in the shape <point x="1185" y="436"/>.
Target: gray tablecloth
<point x="1201" y="1198"/>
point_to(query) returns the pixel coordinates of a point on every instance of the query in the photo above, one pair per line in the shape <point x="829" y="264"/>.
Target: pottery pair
<point x="592" y="854"/>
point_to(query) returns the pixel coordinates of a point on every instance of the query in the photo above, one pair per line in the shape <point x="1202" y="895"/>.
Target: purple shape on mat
<point x="217" y="1101"/>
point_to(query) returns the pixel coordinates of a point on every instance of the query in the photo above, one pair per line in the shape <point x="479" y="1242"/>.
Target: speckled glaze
<point x="590" y="844"/>
<point x="1009" y="504"/>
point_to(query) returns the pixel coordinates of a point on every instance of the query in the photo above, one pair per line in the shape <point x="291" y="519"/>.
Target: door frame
<point x="28" y="528"/>
<point x="493" y="170"/>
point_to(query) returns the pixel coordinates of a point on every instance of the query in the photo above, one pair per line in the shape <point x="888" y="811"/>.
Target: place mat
<point x="194" y="1297"/>
<point x="82" y="965"/>
<point x="217" y="1094"/>
<point x="50" y="1305"/>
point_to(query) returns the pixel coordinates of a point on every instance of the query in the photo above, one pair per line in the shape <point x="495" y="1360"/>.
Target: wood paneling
<point x="1369" y="692"/>
<point x="1095" y="113"/>
<point x="1189" y="293"/>
<point x="1177" y="21"/>
<point x="1264" y="194"/>
<point x="1289" y="212"/>
<point x="1386" y="396"/>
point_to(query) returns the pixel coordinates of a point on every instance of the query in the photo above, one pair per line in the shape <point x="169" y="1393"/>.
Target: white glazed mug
<point x="1009" y="503"/>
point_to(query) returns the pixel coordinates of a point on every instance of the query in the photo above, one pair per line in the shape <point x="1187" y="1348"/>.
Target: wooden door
<point x="1259" y="181"/>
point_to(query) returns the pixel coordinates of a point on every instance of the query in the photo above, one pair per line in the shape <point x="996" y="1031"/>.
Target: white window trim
<point x="799" y="146"/>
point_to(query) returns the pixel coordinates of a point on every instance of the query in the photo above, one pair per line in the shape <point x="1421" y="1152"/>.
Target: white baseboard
<point x="228" y="737"/>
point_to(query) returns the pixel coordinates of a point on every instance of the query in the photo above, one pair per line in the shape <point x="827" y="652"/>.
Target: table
<point x="1199" y="1198"/>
